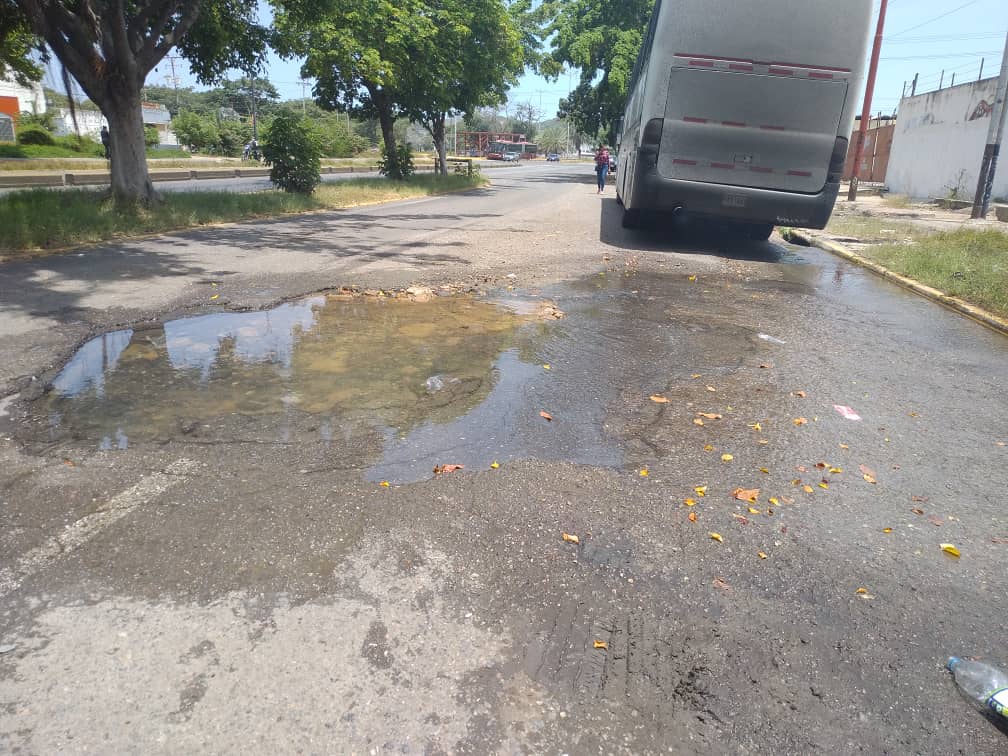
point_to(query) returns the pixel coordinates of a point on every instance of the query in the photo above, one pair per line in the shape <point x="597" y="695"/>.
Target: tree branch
<point x="153" y="51"/>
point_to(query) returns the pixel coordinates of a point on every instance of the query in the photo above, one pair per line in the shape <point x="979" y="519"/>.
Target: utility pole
<point x="913" y="87"/>
<point x="255" y="116"/>
<point x="175" y="80"/>
<point x="985" y="182"/>
<point x="866" y="110"/>
<point x="304" y="103"/>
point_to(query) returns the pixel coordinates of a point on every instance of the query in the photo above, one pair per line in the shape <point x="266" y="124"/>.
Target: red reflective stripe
<point x="817" y="75"/>
<point x="781" y="72"/>
<point x="803" y="174"/>
<point x="740" y="67"/>
<point x="760" y="169"/>
<point x="705" y="63"/>
<point x="727" y="166"/>
<point x="774" y="128"/>
<point x="737" y="124"/>
<point x="691" y="119"/>
<point x="806" y="65"/>
<point x="680" y="161"/>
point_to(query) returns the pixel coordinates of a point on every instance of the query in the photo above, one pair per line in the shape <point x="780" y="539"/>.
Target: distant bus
<point x="498" y="148"/>
<point x="742" y="111"/>
<point x="528" y="150"/>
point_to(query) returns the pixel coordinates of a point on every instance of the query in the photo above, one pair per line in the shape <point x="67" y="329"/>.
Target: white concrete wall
<point x="30" y="99"/>
<point x="89" y="123"/>
<point x="939" y="142"/>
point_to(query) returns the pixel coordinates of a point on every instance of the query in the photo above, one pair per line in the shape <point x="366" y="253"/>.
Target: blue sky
<point x="922" y="36"/>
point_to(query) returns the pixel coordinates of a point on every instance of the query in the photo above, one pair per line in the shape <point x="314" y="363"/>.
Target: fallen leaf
<point x="787" y="500"/>
<point x="844" y="446"/>
<point x="917" y="511"/>
<point x="821" y="465"/>
<point x="709" y="415"/>
<point x="799" y="394"/>
<point x="936" y="521"/>
<point x="999" y="540"/>
<point x="948" y="548"/>
<point x="761" y="554"/>
<point x="695" y="376"/>
<point x="708" y="447"/>
<point x="690" y="502"/>
<point x="600" y="644"/>
<point x="919" y="498"/>
<point x="846" y="412"/>
<point x="701" y="490"/>
<point x="385" y="484"/>
<point x="215" y="296"/>
<point x="869" y="478"/>
<point x="494" y="465"/>
<point x="801" y="468"/>
<point x="547" y="367"/>
<point x="823" y="484"/>
<point x="746" y="494"/>
<point x="773" y="500"/>
<point x="753" y="510"/>
<point x="721" y="583"/>
<point x="741" y="518"/>
<point x="861" y="590"/>
<point x="763" y="441"/>
<point x="643" y="473"/>
<point x="764" y="366"/>
<point x="711" y="389"/>
<point x="1000" y="443"/>
<point x="912" y="414"/>
<point x="692" y="516"/>
<point x="756" y="427"/>
<point x="887" y="530"/>
<point x="546" y="416"/>
<point x="835" y="470"/>
<point x="69" y="463"/>
<point x="796" y="482"/>
<point x="570" y="538"/>
<point x="764" y="470"/>
<point x="807" y="489"/>
<point x="866" y="470"/>
<point x="800" y="421"/>
<point x="697" y="421"/>
<point x="727" y="457"/>
<point x="717" y="537"/>
<point x="691" y="279"/>
<point x="441" y="469"/>
<point x="659" y="399"/>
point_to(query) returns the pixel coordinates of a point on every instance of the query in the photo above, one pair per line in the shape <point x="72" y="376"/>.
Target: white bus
<point x="741" y="110"/>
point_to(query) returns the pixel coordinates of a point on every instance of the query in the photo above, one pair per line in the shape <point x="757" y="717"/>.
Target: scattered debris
<point x="846" y="412"/>
<point x="568" y="538"/>
<point x="443" y="469"/>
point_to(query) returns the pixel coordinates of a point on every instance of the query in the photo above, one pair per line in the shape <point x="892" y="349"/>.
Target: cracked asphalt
<point x="240" y="580"/>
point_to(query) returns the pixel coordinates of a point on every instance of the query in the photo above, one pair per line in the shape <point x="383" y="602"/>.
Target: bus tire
<point x="631" y="218"/>
<point x="759" y="231"/>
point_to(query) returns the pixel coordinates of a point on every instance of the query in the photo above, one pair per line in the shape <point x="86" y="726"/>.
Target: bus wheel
<point x="759" y="231"/>
<point x="631" y="218"/>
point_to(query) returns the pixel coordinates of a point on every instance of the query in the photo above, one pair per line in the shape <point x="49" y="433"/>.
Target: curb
<point x="973" y="312"/>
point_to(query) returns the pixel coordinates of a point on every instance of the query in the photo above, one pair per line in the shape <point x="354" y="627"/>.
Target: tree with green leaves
<point x="110" y="46"/>
<point x="19" y="46"/>
<point x="601" y="38"/>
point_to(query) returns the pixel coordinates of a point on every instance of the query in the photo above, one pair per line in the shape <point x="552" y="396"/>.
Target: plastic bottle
<point x="983" y="684"/>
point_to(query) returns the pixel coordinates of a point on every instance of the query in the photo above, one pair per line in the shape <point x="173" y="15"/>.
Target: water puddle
<point x="395" y="387"/>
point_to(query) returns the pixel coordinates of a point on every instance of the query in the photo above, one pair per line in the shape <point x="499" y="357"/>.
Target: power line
<point x="942" y="56"/>
<point x="946" y="38"/>
<point x="936" y="18"/>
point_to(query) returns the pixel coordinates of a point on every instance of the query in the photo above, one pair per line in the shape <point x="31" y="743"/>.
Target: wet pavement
<point x="199" y="553"/>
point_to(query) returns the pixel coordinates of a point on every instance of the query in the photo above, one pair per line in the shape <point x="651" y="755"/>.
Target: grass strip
<point x="40" y="219"/>
<point x="970" y="264"/>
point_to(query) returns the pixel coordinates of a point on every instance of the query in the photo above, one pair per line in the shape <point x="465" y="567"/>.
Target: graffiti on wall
<point x="983" y="109"/>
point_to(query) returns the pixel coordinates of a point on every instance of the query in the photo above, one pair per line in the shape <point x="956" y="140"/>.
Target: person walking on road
<point x="601" y="166"/>
<point x="106" y="141"/>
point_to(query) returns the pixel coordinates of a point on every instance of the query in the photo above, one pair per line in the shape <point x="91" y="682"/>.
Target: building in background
<point x="15" y="98"/>
<point x="90" y="122"/>
<point x="939" y="143"/>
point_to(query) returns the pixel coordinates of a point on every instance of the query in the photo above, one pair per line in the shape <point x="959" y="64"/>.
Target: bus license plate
<point x="733" y="200"/>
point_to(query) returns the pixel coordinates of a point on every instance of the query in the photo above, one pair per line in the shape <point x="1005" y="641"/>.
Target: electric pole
<point x="985" y="182"/>
<point x="866" y="110"/>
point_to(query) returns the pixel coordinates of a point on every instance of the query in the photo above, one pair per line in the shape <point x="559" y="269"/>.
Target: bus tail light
<point x="652" y="132"/>
<point x="837" y="161"/>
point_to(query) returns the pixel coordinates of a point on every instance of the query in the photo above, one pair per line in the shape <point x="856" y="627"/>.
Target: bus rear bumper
<point x="737" y="203"/>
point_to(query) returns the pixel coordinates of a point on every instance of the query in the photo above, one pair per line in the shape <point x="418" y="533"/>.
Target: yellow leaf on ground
<point x="763" y="441"/>
<point x="494" y="465"/>
<point x="796" y="482"/>
<point x="659" y="399"/>
<point x="835" y="470"/>
<point x="697" y="421"/>
<point x="709" y="415"/>
<point x="600" y="644"/>
<point x="717" y="537"/>
<point x="692" y="516"/>
<point x="861" y="590"/>
<point x="761" y="554"/>
<point x="807" y="489"/>
<point x="547" y="367"/>
<point x="385" y="484"/>
<point x="869" y="478"/>
<point x="727" y="457"/>
<point x="695" y="376"/>
<point x="800" y="421"/>
<point x="799" y="394"/>
<point x="701" y="490"/>
<point x="887" y="530"/>
<point x="570" y="538"/>
<point x="643" y="473"/>
<point x="754" y="511"/>
<point x="711" y="389"/>
<point x="546" y="416"/>
<point x="764" y="470"/>
<point x="215" y="296"/>
<point x="691" y="279"/>
<point x="746" y="494"/>
<point x="690" y="502"/>
<point x="773" y="500"/>
<point x="756" y="427"/>
<point x="708" y="447"/>
<point x="948" y="548"/>
<point x="823" y="484"/>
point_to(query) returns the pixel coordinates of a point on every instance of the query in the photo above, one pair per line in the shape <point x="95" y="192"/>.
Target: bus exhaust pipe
<point x="678" y="211"/>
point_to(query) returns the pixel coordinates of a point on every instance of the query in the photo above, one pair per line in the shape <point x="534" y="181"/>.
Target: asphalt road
<point x="228" y="573"/>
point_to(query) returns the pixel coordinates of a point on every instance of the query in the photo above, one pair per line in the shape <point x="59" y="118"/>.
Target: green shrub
<point x="292" y="148"/>
<point x="45" y="121"/>
<point x="85" y="145"/>
<point x="403" y="168"/>
<point x="35" y="135"/>
<point x="151" y="136"/>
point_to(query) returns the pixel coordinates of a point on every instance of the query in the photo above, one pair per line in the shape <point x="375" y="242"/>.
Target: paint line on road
<point x="78" y="533"/>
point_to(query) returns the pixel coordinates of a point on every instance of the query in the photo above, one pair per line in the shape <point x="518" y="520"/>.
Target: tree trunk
<point x="387" y="123"/>
<point x="130" y="178"/>
<point x="438" y="132"/>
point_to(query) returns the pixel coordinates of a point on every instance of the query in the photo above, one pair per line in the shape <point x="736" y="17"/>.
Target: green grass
<point x="41" y="219"/>
<point x="868" y="229"/>
<point x="969" y="264"/>
<point x="47" y="151"/>
<point x="899" y="201"/>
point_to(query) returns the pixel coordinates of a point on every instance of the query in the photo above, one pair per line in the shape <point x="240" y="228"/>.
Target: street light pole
<point x="985" y="181"/>
<point x="866" y="110"/>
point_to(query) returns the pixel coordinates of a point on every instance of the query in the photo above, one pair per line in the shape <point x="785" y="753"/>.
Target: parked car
<point x="612" y="164"/>
<point x="553" y="157"/>
<point x="510" y="157"/>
